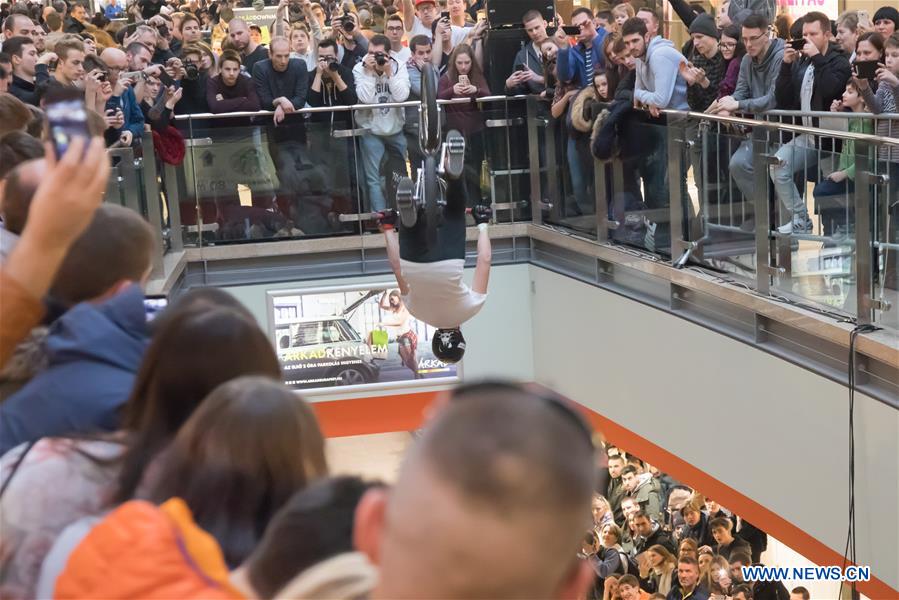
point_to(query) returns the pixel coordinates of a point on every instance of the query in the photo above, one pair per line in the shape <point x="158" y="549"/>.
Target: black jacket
<point x="757" y="539"/>
<point x="73" y="25"/>
<point x="193" y="98"/>
<point x="658" y="536"/>
<point x="738" y="545"/>
<point x="700" y="532"/>
<point x="291" y="83"/>
<point x="832" y="71"/>
<point x="331" y="96"/>
<point x="27" y="91"/>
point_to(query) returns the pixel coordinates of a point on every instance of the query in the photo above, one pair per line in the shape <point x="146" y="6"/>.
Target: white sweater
<point x="379" y="89"/>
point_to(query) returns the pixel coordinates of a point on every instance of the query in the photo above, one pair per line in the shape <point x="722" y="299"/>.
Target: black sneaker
<point x="454" y="154"/>
<point x="405" y="189"/>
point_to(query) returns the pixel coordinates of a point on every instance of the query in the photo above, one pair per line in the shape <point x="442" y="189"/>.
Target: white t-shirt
<point x="401" y="56"/>
<point x="457" y="34"/>
<point x="437" y="295"/>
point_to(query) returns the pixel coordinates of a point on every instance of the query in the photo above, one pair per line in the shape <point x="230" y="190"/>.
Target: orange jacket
<point x="149" y="552"/>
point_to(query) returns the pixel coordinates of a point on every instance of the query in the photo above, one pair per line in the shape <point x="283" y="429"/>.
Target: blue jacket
<point x="94" y="353"/>
<point x="134" y="116"/>
<point x="571" y="66"/>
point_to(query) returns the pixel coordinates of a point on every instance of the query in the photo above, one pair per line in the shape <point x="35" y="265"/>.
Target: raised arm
<point x="393" y="257"/>
<point x="482" y="268"/>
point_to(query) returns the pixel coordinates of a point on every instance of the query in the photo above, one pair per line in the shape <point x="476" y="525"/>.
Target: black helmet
<point x="448" y="345"/>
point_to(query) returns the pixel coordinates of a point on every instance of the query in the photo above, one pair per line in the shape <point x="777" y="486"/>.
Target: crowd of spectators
<point x="606" y="83"/>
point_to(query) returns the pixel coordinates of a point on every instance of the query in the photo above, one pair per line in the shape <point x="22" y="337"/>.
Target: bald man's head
<point x="116" y="61"/>
<point x="493" y="501"/>
<point x="239" y="34"/>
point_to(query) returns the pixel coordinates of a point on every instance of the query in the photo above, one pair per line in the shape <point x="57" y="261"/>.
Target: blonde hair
<point x="625" y="8"/>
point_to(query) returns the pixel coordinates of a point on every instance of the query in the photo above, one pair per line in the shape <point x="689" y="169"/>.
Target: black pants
<point x="450" y="235"/>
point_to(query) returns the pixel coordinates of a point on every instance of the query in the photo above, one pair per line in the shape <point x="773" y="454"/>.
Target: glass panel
<point x="571" y="180"/>
<point x="814" y="229"/>
<point x="245" y="179"/>
<point x="639" y="186"/>
<point x="725" y="223"/>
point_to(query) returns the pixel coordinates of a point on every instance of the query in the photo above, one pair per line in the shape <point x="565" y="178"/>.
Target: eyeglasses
<point x="755" y="38"/>
<point x="727" y="45"/>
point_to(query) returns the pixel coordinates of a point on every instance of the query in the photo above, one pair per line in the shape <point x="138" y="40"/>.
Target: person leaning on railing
<point x="229" y="91"/>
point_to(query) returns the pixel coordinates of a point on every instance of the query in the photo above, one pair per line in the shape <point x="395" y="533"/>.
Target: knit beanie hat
<point x="887" y="12"/>
<point x="705" y="25"/>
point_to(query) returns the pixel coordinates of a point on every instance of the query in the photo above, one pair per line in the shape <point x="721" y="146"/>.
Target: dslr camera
<point x="191" y="70"/>
<point x="381" y="58"/>
<point x="347" y="24"/>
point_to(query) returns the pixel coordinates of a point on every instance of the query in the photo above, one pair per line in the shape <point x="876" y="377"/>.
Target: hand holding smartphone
<point x="66" y="118"/>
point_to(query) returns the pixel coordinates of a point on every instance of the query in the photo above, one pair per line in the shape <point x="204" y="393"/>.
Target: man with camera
<point x="124" y="68"/>
<point x="352" y="41"/>
<point x="332" y="85"/>
<point x="528" y="75"/>
<point x="379" y="80"/>
<point x="166" y="47"/>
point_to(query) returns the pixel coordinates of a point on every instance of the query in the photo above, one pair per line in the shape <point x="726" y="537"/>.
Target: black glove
<point x="388" y="217"/>
<point x="481" y="214"/>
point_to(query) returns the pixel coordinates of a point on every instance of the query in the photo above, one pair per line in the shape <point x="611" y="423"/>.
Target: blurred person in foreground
<point x="505" y="475"/>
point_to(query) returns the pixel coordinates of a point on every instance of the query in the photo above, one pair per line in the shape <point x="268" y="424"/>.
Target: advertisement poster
<point x="350" y="337"/>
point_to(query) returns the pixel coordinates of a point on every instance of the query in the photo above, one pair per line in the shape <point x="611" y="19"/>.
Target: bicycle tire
<point x="429" y="132"/>
<point x="431" y="192"/>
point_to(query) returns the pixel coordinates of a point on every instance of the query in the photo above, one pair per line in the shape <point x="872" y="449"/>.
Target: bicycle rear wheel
<point x="429" y="132"/>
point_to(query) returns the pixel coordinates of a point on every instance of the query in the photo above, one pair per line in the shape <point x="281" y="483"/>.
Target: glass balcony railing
<point x="698" y="190"/>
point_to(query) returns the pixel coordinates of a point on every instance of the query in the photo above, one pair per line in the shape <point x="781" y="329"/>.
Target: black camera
<point x="295" y="12"/>
<point x="333" y="66"/>
<point x="381" y="59"/>
<point x="347" y="24"/>
<point x="191" y="70"/>
<point x="163" y="30"/>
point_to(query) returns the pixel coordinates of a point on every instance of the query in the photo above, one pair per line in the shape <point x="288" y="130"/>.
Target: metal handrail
<point x="846" y="135"/>
<point x="343" y="108"/>
<point x="824" y="114"/>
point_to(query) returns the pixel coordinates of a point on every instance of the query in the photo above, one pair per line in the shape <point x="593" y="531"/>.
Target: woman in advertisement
<point x="398" y="323"/>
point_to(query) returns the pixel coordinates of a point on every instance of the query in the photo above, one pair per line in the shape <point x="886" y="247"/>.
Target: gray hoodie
<point x="658" y="77"/>
<point x="755" y="83"/>
<point x="763" y="7"/>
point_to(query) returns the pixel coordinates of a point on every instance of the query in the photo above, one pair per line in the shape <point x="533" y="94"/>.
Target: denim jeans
<point x="373" y="149"/>
<point x="579" y="166"/>
<point x="795" y="156"/>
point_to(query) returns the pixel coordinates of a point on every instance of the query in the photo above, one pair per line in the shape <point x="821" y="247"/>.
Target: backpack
<point x="629" y="564"/>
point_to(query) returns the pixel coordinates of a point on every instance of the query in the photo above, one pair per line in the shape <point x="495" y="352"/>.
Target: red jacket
<point x="148" y="552"/>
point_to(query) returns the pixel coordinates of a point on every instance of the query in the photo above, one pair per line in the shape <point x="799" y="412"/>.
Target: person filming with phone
<point x="124" y="71"/>
<point x="813" y="74"/>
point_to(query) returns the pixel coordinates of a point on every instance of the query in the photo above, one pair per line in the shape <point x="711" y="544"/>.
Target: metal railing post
<point x="675" y="140"/>
<point x="763" y="244"/>
<point x="536" y="195"/>
<point x="864" y="242"/>
<point x="154" y="208"/>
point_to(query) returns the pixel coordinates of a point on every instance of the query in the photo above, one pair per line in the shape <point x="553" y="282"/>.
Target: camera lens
<point x="332" y="66"/>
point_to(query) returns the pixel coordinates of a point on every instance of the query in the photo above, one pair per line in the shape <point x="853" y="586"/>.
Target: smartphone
<point x="798" y="44"/>
<point x="571" y="30"/>
<point x="154" y="304"/>
<point x="165" y="78"/>
<point x="463" y="80"/>
<point x="865" y="69"/>
<point x="444" y="16"/>
<point x="520" y="67"/>
<point x="132" y="75"/>
<point x="66" y="118"/>
<point x="864" y="20"/>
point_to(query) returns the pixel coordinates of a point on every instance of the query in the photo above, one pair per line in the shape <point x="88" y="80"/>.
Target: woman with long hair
<point x="204" y="339"/>
<point x="399" y="323"/>
<point x="657" y="570"/>
<point x="716" y="578"/>
<point x="464" y="79"/>
<point x="237" y="460"/>
<point x="733" y="50"/>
